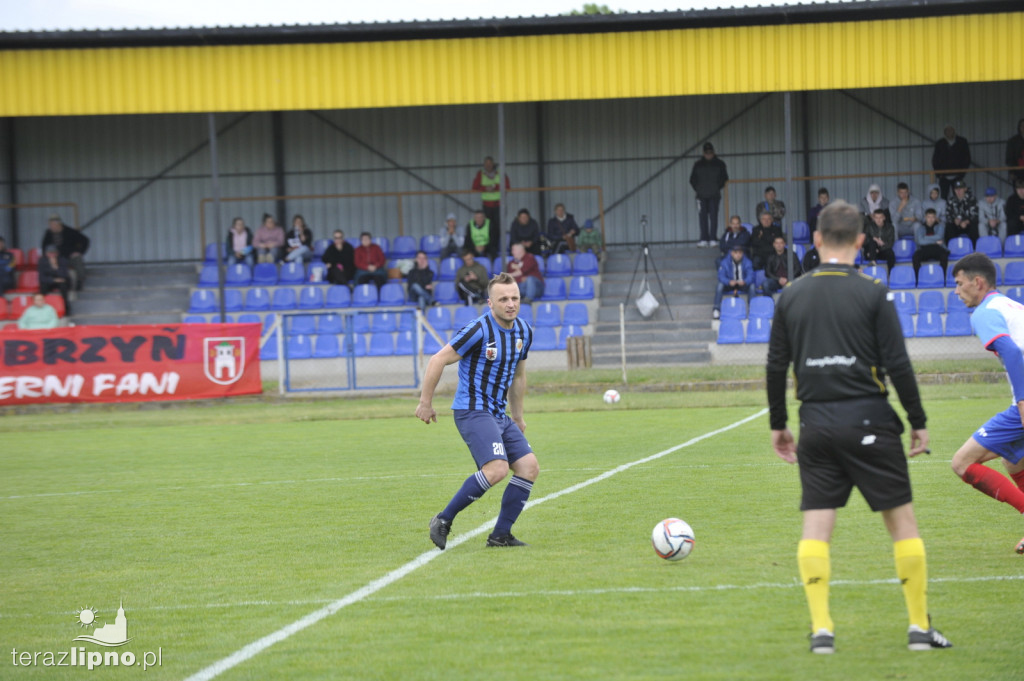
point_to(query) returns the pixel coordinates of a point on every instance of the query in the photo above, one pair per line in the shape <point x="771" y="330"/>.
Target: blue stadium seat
<point x="383" y="242"/>
<point x="264" y="274"/>
<point x="730" y="331"/>
<point x="929" y="325"/>
<point x="584" y="263"/>
<point x="194" y="319"/>
<point x="311" y="298"/>
<point x="990" y="246"/>
<point x="329" y="324"/>
<point x="353" y="241"/>
<point x="257" y="300"/>
<point x="902" y="277"/>
<point x="759" y="330"/>
<point x="360" y="322"/>
<point x="541" y="265"/>
<point x="547" y="314"/>
<point x="440" y="318"/>
<point x="554" y="289"/>
<point x="954" y="304"/>
<point x="431" y="245"/>
<point x="356" y="345"/>
<point x="283" y="299"/>
<point x="581" y="288"/>
<point x="392" y="294"/>
<point x="250" y="318"/>
<point x="762" y="307"/>
<point x="931" y="301"/>
<point x="364" y="295"/>
<point x="904" y="250"/>
<point x="907" y="324"/>
<point x="382" y="322"/>
<point x="268" y="350"/>
<point x="202" y="301"/>
<point x="403" y="247"/>
<point x="300" y="325"/>
<point x="316" y="273"/>
<point x="210" y="254"/>
<point x="799" y="251"/>
<point x="759" y="279"/>
<point x="405" y="343"/>
<point x="488" y="265"/>
<point x="573" y="314"/>
<point x="407" y="320"/>
<point x="464" y="315"/>
<point x="801" y="232"/>
<point x="930" y="276"/>
<point x="734" y="308"/>
<point x="299" y="347"/>
<point x="448" y="267"/>
<point x="905" y="302"/>
<point x="430" y="344"/>
<point x="337" y="296"/>
<point x="238" y="275"/>
<point x="958" y="323"/>
<point x="1016" y="293"/>
<point x="444" y="293"/>
<point x="1013" y="247"/>
<point x="326" y="346"/>
<point x="208" y="276"/>
<point x="959" y="247"/>
<point x="567" y="332"/>
<point x="877" y="272"/>
<point x="320" y="247"/>
<point x="544" y="338"/>
<point x="292" y="274"/>
<point x="232" y="300"/>
<point x="1014" y="273"/>
<point x="381" y="345"/>
<point x="558" y="265"/>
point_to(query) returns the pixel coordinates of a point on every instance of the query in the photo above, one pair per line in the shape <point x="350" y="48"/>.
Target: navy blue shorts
<point x="491" y="437"/>
<point x="1003" y="434"/>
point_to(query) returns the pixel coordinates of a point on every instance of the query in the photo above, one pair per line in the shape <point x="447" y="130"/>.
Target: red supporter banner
<point x="129" y="363"/>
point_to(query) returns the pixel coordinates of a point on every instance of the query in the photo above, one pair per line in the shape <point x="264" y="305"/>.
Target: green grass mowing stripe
<point x="258" y="646"/>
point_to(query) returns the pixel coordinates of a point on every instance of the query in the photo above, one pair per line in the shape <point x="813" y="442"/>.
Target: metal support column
<point x="501" y="185"/>
<point x="542" y="204"/>
<point x="788" y="118"/>
<point x="12" y="180"/>
<point x="277" y="142"/>
<point x="215" y="182"/>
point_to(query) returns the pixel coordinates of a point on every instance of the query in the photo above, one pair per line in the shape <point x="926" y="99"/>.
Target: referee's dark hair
<point x="977" y="265"/>
<point x="839" y="224"/>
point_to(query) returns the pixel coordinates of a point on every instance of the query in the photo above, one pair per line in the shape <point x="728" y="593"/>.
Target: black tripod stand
<point x="644" y="254"/>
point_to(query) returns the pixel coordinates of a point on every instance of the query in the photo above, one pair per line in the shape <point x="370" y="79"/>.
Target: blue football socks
<point x="512" y="503"/>
<point x="472" y="489"/>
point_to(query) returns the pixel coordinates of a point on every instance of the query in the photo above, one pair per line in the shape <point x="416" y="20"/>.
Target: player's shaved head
<point x="840" y="224"/>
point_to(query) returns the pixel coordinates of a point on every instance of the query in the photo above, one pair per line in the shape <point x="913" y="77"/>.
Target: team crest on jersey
<point x="491" y="353"/>
<point x="519" y="344"/>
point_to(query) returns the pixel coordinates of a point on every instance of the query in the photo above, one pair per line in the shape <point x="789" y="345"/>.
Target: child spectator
<point x="590" y="240"/>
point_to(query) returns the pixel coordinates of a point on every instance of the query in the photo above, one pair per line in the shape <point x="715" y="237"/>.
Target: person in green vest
<point x="487" y="182"/>
<point x="480" y="236"/>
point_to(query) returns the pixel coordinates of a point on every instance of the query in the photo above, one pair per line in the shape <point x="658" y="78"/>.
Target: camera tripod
<point x="646" y="258"/>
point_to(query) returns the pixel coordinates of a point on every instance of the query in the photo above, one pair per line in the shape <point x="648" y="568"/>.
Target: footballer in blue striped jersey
<point x="491" y="351"/>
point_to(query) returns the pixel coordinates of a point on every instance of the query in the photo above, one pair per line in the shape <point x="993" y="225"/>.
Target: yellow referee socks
<point x="912" y="570"/>
<point x="815" y="570"/>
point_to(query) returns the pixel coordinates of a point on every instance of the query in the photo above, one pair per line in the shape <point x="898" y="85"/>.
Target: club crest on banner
<point x="224" y="359"/>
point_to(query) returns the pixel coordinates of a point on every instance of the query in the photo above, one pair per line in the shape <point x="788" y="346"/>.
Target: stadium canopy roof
<point x="887" y="43"/>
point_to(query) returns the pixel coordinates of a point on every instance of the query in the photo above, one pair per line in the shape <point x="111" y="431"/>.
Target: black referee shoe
<point x="823" y="642"/>
<point x="504" y="540"/>
<point x="439" y="529"/>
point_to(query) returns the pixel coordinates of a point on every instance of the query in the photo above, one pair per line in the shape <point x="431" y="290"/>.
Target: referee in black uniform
<point x="840" y="331"/>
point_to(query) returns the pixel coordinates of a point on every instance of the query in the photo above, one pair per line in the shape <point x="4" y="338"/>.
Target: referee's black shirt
<point x="840" y="330"/>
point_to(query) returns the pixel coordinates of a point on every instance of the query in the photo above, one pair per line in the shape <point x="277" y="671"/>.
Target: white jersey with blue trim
<point x="490" y="355"/>
<point x="997" y="316"/>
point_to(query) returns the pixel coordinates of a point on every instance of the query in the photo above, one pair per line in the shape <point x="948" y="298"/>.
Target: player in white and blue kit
<point x="491" y="351"/>
<point x="998" y="321"/>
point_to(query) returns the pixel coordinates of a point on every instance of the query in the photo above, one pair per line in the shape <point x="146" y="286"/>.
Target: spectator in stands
<point x="340" y="259"/>
<point x="471" y="280"/>
<point x="8" y="280"/>
<point x="762" y="238"/>
<point x="451" y="239"/>
<point x="812" y="215"/>
<point x="707" y="178"/>
<point x="268" y="242"/>
<point x="239" y="244"/>
<point x="562" y="231"/>
<point x="55" y="275"/>
<point x="524" y="269"/>
<point x="879" y="240"/>
<point x="371" y="265"/>
<point x="590" y="239"/>
<point x="525" y="231"/>
<point x="906" y="213"/>
<point x="952" y="152"/>
<point x="481" y="235"/>
<point x="936" y="202"/>
<point x="735" y="276"/>
<point x="992" y="214"/>
<point x="299" y="241"/>
<point x="772" y="206"/>
<point x="71" y="244"/>
<point x="39" y="315"/>
<point x="735" y="235"/>
<point x="1015" y="152"/>
<point x="962" y="213"/>
<point x="777" y="270"/>
<point x="811" y="259"/>
<point x="1015" y="210"/>
<point x="873" y="201"/>
<point x="930" y="243"/>
<point x="487" y="182"/>
<point x="421" y="282"/>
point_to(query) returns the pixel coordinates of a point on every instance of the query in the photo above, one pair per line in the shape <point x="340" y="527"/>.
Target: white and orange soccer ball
<point x="672" y="539"/>
<point x="612" y="396"/>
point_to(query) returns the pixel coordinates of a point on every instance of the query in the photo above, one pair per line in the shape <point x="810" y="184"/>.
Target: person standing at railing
<point x="1015" y="210"/>
<point x="707" y="178"/>
<point x="952" y="152"/>
<point x="488" y="182"/>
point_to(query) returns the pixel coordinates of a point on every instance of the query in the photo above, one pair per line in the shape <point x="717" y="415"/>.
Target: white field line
<point x="259" y="645"/>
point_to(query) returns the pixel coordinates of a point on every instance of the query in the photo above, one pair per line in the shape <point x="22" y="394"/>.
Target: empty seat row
<point x="932" y="276"/>
<point x="928" y="325"/>
<point x="736" y="308"/>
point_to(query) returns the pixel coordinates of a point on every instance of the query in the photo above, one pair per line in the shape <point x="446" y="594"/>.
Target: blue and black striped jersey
<point x="490" y="355"/>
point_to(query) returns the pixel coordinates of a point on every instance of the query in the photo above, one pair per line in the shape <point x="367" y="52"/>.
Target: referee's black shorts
<point x="852" y="442"/>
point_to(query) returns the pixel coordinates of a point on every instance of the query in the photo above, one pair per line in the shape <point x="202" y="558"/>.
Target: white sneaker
<point x="715" y="314"/>
<point x="702" y="244"/>
<point x="712" y="244"/>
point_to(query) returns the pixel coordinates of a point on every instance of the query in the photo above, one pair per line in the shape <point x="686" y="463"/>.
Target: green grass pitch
<point x="221" y="523"/>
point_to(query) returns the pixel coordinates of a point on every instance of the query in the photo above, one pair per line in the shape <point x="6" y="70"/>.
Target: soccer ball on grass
<point x="672" y="539"/>
<point x="611" y="396"/>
